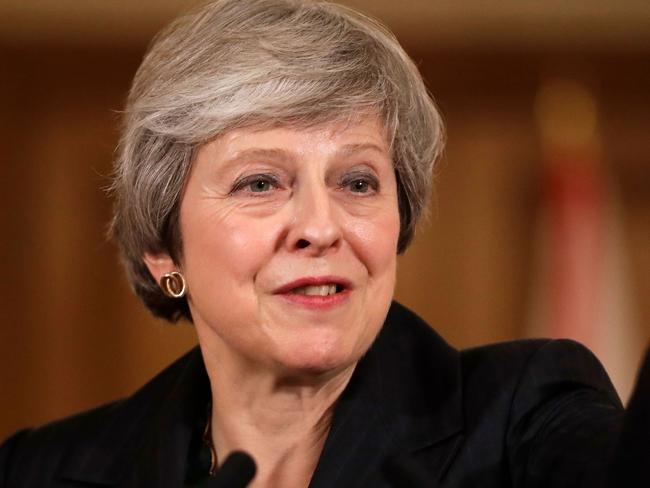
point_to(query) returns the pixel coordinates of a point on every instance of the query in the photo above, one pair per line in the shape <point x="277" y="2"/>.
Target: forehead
<point x="367" y="130"/>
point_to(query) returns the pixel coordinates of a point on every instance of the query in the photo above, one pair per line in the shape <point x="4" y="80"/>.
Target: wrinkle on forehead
<point x="368" y="132"/>
<point x="336" y="124"/>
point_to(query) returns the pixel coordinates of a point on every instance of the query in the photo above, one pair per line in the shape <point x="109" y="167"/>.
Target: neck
<point x="282" y="420"/>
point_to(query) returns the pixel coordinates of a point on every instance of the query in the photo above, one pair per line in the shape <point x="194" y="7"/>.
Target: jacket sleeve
<point x="565" y="420"/>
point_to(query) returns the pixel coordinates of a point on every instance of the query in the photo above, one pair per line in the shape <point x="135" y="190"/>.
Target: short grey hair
<point x="239" y="63"/>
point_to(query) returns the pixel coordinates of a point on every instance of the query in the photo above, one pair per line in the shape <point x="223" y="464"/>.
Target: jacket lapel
<point x="162" y="461"/>
<point x="404" y="401"/>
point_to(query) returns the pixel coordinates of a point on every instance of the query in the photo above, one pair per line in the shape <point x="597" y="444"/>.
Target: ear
<point x="159" y="264"/>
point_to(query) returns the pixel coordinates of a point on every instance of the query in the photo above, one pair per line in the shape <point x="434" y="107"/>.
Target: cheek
<point x="224" y="248"/>
<point x="376" y="240"/>
<point x="216" y="252"/>
<point x="222" y="259"/>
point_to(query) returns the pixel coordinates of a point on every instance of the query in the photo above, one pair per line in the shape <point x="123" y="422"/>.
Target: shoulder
<point x="33" y="456"/>
<point x="513" y="365"/>
<point x="535" y="412"/>
<point x="558" y="411"/>
<point x="538" y="360"/>
<point x="535" y="375"/>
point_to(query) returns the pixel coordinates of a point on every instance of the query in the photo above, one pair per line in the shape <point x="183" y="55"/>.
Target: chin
<point x="319" y="358"/>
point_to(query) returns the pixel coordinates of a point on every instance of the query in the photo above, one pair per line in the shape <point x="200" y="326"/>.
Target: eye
<point x="360" y="183"/>
<point x="359" y="186"/>
<point x="256" y="184"/>
<point x="259" y="185"/>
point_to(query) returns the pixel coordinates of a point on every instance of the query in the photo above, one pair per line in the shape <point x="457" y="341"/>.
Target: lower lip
<point x="317" y="302"/>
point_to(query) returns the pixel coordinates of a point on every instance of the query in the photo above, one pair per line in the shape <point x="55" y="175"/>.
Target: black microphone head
<point x="237" y="470"/>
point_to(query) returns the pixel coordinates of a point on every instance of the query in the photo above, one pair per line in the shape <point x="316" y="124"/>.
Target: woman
<point x="275" y="158"/>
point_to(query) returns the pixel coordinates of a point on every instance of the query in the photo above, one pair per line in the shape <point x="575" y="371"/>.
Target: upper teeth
<point x="322" y="290"/>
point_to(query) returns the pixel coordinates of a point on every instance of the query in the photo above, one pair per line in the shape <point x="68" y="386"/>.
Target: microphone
<point x="237" y="471"/>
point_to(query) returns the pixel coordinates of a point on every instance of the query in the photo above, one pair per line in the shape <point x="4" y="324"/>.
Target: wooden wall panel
<point x="72" y="335"/>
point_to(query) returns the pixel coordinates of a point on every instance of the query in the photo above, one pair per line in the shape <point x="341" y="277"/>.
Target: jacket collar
<point x="404" y="396"/>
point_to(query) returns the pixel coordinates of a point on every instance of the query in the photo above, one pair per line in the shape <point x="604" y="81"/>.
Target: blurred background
<point x="540" y="224"/>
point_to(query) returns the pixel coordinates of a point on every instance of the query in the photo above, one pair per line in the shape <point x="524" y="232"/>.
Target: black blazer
<point x="533" y="413"/>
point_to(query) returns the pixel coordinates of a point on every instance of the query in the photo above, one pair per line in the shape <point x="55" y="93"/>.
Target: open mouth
<point x="318" y="290"/>
<point x="315" y="287"/>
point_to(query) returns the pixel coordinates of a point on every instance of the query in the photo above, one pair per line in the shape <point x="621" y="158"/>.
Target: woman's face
<point x="289" y="244"/>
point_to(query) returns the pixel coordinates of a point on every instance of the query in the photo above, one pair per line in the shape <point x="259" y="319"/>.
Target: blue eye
<point x="360" y="183"/>
<point x="256" y="184"/>
<point x="259" y="185"/>
<point x="359" y="186"/>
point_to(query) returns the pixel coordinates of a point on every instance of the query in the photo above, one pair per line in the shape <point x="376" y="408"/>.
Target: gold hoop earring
<point x="173" y="284"/>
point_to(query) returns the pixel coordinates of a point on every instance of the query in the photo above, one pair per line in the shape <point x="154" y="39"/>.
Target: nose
<point x="314" y="227"/>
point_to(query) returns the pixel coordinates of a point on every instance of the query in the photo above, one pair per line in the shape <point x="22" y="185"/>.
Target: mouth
<point x="317" y="291"/>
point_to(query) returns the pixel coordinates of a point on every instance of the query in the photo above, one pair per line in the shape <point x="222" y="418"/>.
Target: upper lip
<point x="315" y="281"/>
